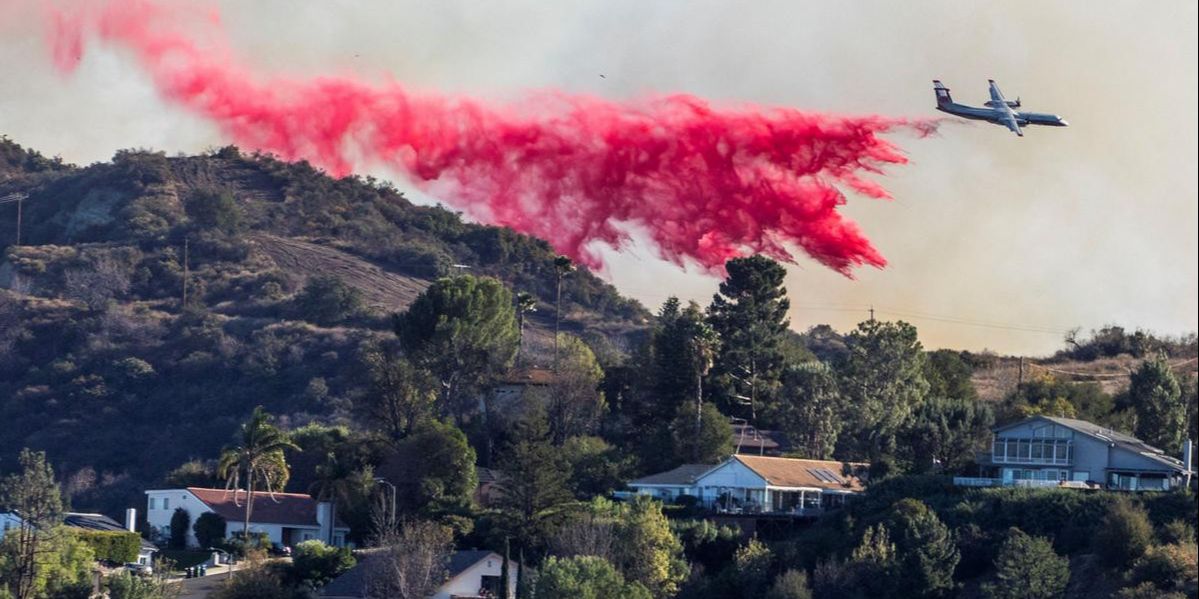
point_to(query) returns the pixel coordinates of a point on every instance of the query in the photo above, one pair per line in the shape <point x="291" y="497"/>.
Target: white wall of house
<point x="467" y="583"/>
<point x="665" y="493"/>
<point x="735" y="478"/>
<point x="161" y="505"/>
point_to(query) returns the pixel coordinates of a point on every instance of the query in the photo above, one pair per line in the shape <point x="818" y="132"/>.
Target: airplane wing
<point x="1011" y="123"/>
<point x="996" y="95"/>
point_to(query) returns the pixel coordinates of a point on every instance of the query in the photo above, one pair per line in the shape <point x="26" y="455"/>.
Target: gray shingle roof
<point x="352" y="583"/>
<point x="681" y="476"/>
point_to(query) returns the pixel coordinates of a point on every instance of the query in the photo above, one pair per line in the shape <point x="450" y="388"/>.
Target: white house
<point x="286" y="518"/>
<point x="472" y="574"/>
<point x="9" y="521"/>
<point x="760" y="484"/>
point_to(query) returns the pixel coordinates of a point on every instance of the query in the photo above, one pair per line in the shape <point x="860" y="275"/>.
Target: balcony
<point x="1021" y="483"/>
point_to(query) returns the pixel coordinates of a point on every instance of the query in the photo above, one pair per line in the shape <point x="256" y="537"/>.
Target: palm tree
<point x="336" y="480"/>
<point x="258" y="458"/>
<point x="525" y="303"/>
<point x="702" y="346"/>
<point x="562" y="267"/>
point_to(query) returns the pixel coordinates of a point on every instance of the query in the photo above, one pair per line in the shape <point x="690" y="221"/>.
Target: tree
<point x="573" y="402"/>
<point x="751" y="568"/>
<point x="925" y="548"/>
<point x="647" y="550"/>
<point x="209" y="529"/>
<point x="533" y="486"/>
<point x="313" y="563"/>
<point x="562" y="267"/>
<point x="401" y="395"/>
<point x="525" y="303"/>
<point x="1027" y="568"/>
<point x="792" y="584"/>
<point x="871" y="570"/>
<point x="883" y="379"/>
<point x="1170" y="568"/>
<point x="327" y="300"/>
<point x="1157" y="399"/>
<point x="596" y="466"/>
<point x="213" y="209"/>
<point x="337" y="482"/>
<point x="432" y="468"/>
<point x="257" y="458"/>
<point x="62" y="565"/>
<point x="1124" y="533"/>
<point x="413" y="563"/>
<point x="750" y="316"/>
<point x="808" y="409"/>
<point x="585" y="577"/>
<point x="946" y="431"/>
<point x="711" y="443"/>
<point x="461" y="329"/>
<point x="34" y="495"/>
<point x="180" y="523"/>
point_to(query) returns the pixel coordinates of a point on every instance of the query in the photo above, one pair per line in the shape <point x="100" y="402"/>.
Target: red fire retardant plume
<point x="704" y="183"/>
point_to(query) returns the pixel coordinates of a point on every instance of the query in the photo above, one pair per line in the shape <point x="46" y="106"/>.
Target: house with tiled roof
<point x="760" y="484"/>
<point x="1048" y="451"/>
<point x="286" y="518"/>
<point x="470" y="574"/>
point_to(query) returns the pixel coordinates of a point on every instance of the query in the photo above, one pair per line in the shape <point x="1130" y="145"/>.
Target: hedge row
<point x="115" y="546"/>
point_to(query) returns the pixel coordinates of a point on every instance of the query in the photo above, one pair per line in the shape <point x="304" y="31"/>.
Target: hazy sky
<point x="1083" y="226"/>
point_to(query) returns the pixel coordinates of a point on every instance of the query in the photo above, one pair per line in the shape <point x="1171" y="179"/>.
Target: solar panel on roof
<point x="825" y="475"/>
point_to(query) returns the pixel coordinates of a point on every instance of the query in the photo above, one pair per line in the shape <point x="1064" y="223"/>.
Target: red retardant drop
<point x="705" y="184"/>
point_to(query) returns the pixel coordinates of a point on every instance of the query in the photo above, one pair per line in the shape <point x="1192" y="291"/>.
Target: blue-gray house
<point x="1047" y="451"/>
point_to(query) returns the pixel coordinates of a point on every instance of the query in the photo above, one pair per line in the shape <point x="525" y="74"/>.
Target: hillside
<point x="103" y="365"/>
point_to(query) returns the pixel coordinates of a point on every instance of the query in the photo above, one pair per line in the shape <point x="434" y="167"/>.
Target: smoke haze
<point x="1073" y="227"/>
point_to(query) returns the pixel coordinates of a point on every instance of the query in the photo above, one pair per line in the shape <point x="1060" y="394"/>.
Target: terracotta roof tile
<point x="293" y="509"/>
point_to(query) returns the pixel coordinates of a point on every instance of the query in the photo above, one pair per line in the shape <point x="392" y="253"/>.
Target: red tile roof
<point x="290" y="509"/>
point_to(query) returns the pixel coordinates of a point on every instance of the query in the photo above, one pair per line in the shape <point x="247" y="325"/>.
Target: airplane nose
<point x="1063" y="122"/>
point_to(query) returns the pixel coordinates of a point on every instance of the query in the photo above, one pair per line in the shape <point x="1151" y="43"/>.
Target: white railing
<point x="966" y="481"/>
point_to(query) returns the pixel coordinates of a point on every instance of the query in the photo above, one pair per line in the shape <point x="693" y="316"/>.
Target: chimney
<point x="324" y="518"/>
<point x="131" y="519"/>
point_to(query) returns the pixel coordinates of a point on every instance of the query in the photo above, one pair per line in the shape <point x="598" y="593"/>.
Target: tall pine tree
<point x="750" y="316"/>
<point x="1157" y="399"/>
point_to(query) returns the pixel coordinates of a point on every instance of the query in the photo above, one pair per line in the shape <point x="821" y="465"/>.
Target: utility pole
<point x="19" y="198"/>
<point x="871" y="312"/>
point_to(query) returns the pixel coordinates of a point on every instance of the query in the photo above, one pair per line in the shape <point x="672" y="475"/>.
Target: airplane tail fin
<point x="942" y="92"/>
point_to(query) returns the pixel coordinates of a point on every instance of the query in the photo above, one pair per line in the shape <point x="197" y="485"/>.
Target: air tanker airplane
<point x="998" y="110"/>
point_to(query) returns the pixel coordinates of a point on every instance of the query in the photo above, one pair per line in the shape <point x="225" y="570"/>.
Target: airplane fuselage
<point x="997" y="110"/>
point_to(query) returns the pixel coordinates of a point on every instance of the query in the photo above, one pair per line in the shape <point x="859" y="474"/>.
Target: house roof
<point x="487" y="475"/>
<point x="102" y="523"/>
<point x="795" y="472"/>
<point x="753" y="440"/>
<point x="1121" y="440"/>
<point x="682" y="476"/>
<point x="538" y="377"/>
<point x="351" y="584"/>
<point x="289" y="509"/>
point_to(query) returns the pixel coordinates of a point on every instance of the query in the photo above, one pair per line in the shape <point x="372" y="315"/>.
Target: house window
<point x="166" y="503"/>
<point x="490" y="586"/>
<point x="152" y="502"/>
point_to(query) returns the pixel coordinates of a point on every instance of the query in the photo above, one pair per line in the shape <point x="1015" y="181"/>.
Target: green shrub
<point x="585" y="577"/>
<point x="209" y="529"/>
<point x="327" y="300"/>
<point x="314" y="563"/>
<point x="114" y="546"/>
<point x="1124" y="534"/>
<point x="1169" y="567"/>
